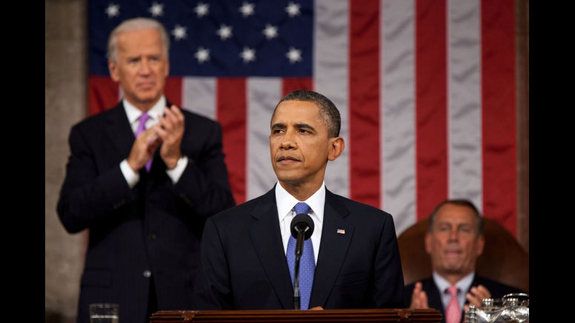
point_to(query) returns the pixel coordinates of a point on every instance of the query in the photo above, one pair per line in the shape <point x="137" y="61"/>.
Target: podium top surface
<point x="335" y="316"/>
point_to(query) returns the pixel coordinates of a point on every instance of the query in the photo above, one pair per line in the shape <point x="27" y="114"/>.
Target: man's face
<point x="299" y="144"/>
<point x="141" y="66"/>
<point x="454" y="243"/>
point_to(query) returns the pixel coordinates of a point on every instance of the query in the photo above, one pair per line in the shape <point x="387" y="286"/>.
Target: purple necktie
<point x="307" y="263"/>
<point x="141" y="127"/>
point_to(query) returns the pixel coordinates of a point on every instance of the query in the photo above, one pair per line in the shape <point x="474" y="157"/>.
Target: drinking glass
<point x="104" y="313"/>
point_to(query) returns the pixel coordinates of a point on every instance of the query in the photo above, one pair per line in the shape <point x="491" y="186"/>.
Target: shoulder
<point x="239" y="213"/>
<point x="200" y="129"/>
<point x="231" y="214"/>
<point x="199" y="119"/>
<point x="97" y="120"/>
<point x="360" y="211"/>
<point x="497" y="289"/>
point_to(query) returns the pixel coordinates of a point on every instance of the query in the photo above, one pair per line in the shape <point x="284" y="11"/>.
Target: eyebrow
<point x="457" y="225"/>
<point x="141" y="56"/>
<point x="304" y="126"/>
<point x="300" y="125"/>
<point x="278" y="125"/>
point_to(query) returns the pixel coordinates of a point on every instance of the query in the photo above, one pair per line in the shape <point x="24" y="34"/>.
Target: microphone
<point x="301" y="228"/>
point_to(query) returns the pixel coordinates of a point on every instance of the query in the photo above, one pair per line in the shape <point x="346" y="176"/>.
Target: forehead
<point x="139" y="40"/>
<point x="293" y="111"/>
<point x="455" y="214"/>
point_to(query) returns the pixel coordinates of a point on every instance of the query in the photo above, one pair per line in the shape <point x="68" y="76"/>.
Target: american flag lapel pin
<point x="341" y="231"/>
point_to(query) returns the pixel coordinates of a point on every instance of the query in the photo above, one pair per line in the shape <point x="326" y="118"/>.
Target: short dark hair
<point x="459" y="202"/>
<point x="327" y="108"/>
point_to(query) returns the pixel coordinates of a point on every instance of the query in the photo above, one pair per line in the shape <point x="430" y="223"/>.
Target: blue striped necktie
<point x="307" y="263"/>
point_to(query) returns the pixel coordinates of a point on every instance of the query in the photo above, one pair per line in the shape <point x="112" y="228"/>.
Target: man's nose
<point x="144" y="67"/>
<point x="453" y="234"/>
<point x="288" y="141"/>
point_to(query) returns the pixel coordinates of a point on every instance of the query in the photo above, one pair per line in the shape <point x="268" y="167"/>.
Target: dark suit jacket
<point x="244" y="265"/>
<point x="154" y="227"/>
<point x="496" y="289"/>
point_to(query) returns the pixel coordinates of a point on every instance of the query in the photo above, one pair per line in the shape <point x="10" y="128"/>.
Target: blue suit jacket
<point x="244" y="264"/>
<point x="154" y="227"/>
<point x="496" y="289"/>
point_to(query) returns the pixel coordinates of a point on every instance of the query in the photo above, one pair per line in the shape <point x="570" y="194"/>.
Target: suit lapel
<point x="335" y="239"/>
<point x="433" y="295"/>
<point x="119" y="131"/>
<point x="267" y="241"/>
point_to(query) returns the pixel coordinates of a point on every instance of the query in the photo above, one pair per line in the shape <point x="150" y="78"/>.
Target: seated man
<point x="454" y="241"/>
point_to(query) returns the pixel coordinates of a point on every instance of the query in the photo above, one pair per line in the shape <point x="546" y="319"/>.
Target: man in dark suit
<point x="454" y="241"/>
<point x="143" y="178"/>
<point x="355" y="250"/>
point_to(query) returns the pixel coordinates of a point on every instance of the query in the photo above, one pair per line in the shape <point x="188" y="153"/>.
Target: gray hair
<point x="134" y="25"/>
<point x="327" y="108"/>
<point x="459" y="202"/>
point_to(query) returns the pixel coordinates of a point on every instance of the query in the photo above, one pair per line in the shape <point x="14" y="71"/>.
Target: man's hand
<point x="170" y="129"/>
<point x="476" y="294"/>
<point x="143" y="149"/>
<point x="418" y="297"/>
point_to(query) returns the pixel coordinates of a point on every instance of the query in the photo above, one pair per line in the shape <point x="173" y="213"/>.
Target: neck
<point x="144" y="106"/>
<point x="301" y="191"/>
<point x="453" y="278"/>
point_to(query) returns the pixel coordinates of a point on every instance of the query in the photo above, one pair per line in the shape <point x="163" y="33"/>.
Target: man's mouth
<point x="287" y="159"/>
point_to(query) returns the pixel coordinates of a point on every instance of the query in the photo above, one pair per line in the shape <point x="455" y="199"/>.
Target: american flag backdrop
<point x="426" y="89"/>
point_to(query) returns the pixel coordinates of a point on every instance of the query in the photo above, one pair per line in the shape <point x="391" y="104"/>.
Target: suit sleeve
<point x="212" y="287"/>
<point x="389" y="276"/>
<point x="86" y="194"/>
<point x="204" y="185"/>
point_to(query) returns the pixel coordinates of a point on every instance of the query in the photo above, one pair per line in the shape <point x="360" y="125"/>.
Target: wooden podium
<point x="332" y="316"/>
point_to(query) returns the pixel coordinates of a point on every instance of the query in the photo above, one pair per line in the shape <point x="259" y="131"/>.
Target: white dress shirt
<point x="463" y="286"/>
<point x="285" y="204"/>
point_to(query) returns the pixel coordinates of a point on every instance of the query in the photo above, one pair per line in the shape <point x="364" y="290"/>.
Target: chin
<point x="453" y="268"/>
<point x="289" y="180"/>
<point x="285" y="177"/>
<point x="147" y="98"/>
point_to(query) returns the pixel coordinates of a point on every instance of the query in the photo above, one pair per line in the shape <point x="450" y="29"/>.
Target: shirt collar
<point x="134" y="113"/>
<point x="463" y="284"/>
<point x="285" y="202"/>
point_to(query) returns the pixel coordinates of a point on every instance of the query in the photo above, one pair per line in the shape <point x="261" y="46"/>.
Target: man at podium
<point x="350" y="259"/>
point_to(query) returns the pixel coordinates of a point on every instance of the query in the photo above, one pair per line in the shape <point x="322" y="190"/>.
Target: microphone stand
<point x="298" y="252"/>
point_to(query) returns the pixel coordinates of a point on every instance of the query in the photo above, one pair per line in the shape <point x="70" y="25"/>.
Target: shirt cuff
<point x="131" y="177"/>
<point x="177" y="171"/>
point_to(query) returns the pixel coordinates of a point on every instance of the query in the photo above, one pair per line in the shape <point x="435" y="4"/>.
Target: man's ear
<point x="480" y="245"/>
<point x="336" y="146"/>
<point x="113" y="68"/>
<point x="428" y="243"/>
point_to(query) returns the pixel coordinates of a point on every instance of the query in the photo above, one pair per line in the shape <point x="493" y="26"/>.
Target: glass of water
<point x="104" y="313"/>
<point x="490" y="309"/>
<point x="518" y="305"/>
